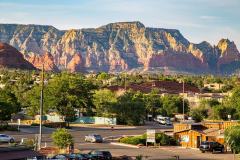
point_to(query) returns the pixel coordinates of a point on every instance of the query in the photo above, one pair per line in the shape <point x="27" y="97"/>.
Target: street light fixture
<point x="41" y="109"/>
<point x="183" y="90"/>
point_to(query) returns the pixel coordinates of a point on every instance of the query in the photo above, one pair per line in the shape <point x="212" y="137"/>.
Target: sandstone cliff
<point x="119" y="46"/>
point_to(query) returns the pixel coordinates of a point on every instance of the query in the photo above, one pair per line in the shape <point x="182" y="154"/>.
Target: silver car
<point x="93" y="138"/>
<point x="6" y="138"/>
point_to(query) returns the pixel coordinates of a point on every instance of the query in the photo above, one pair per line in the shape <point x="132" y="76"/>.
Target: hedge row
<point x="52" y="125"/>
<point x="161" y="139"/>
<point x="8" y="128"/>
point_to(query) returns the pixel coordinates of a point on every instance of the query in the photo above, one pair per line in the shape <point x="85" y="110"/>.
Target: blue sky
<point x="197" y="20"/>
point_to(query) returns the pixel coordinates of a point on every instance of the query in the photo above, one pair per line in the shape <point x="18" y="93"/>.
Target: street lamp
<point x="41" y="108"/>
<point x="183" y="105"/>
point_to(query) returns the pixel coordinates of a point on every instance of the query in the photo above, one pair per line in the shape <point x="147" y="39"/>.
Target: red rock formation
<point x="228" y="52"/>
<point x="176" y="61"/>
<point x="10" y="57"/>
<point x="47" y="58"/>
<point x="76" y="63"/>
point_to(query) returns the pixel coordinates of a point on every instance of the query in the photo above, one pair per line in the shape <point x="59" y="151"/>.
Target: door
<point x="198" y="141"/>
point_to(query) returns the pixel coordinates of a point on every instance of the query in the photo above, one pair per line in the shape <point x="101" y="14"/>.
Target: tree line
<point x="66" y="93"/>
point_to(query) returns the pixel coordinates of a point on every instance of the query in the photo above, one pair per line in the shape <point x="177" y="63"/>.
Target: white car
<point x="93" y="138"/>
<point x="163" y="120"/>
<point x="6" y="138"/>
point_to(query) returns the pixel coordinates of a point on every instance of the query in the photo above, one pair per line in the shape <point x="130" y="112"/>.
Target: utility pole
<point x="183" y="87"/>
<point x="125" y="85"/>
<point x="41" y="109"/>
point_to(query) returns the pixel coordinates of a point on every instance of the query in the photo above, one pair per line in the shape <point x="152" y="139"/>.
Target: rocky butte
<point x="118" y="47"/>
<point x="12" y="58"/>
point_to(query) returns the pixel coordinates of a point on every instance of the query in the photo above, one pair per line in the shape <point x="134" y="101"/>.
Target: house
<point x="164" y="87"/>
<point x="194" y="99"/>
<point x="214" y="86"/>
<point x="192" y="134"/>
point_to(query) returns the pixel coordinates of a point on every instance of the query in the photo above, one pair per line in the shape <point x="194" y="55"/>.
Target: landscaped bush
<point x="34" y="124"/>
<point x="161" y="139"/>
<point x="55" y="125"/>
<point x="29" y="143"/>
<point x="133" y="140"/>
<point x="8" y="128"/>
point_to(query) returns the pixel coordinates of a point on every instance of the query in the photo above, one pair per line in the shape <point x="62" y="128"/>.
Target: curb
<point x="124" y="145"/>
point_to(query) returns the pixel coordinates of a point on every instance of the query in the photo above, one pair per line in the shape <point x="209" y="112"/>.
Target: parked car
<point x="75" y="156"/>
<point x="61" y="157"/>
<point x="71" y="157"/>
<point x="163" y="120"/>
<point x="6" y="138"/>
<point x="94" y="138"/>
<point x="211" y="147"/>
<point x="100" y="155"/>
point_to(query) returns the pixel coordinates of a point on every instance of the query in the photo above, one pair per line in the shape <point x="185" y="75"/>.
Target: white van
<point x="163" y="120"/>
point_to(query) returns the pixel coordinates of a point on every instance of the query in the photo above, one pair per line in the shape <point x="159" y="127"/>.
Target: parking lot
<point x="162" y="152"/>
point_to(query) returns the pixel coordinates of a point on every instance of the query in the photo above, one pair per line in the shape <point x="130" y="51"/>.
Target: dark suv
<point x="211" y="147"/>
<point x="100" y="155"/>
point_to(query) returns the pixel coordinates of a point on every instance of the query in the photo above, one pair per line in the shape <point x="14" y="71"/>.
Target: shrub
<point x="161" y="139"/>
<point x="8" y="128"/>
<point x="55" y="125"/>
<point x="62" y="138"/>
<point x="34" y="124"/>
<point x="133" y="140"/>
<point x="29" y="143"/>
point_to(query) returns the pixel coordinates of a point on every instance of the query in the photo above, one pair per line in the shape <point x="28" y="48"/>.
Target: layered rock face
<point x="119" y="46"/>
<point x="46" y="59"/>
<point x="12" y="58"/>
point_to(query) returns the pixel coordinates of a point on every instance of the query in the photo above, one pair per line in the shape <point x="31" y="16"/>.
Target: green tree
<point x="64" y="93"/>
<point x="172" y="104"/>
<point x="8" y="104"/>
<point x="62" y="138"/>
<point x="103" y="76"/>
<point x="198" y="114"/>
<point x="104" y="100"/>
<point x="130" y="108"/>
<point x="152" y="101"/>
<point x="222" y="112"/>
<point x="232" y="138"/>
<point x="234" y="100"/>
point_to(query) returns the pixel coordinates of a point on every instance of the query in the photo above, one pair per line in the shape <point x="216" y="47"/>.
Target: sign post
<point x="151" y="136"/>
<point x="19" y="123"/>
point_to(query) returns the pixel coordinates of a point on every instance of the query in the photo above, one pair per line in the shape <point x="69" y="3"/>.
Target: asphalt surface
<point x="162" y="152"/>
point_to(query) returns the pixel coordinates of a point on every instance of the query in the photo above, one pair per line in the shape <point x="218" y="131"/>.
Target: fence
<point x="96" y="120"/>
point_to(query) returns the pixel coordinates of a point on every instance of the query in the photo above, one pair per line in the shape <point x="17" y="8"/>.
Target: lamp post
<point x="41" y="109"/>
<point x="183" y="89"/>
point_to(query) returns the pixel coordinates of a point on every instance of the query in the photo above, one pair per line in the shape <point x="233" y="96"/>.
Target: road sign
<point x="151" y="135"/>
<point x="19" y="123"/>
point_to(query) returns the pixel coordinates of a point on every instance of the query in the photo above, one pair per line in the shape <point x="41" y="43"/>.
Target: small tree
<point x="62" y="138"/>
<point x="232" y="137"/>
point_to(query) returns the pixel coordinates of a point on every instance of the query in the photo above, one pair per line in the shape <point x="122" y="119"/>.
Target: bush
<point x="62" y="138"/>
<point x="29" y="143"/>
<point x="133" y="140"/>
<point x="8" y="128"/>
<point x="34" y="124"/>
<point x="55" y="125"/>
<point x="161" y="139"/>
